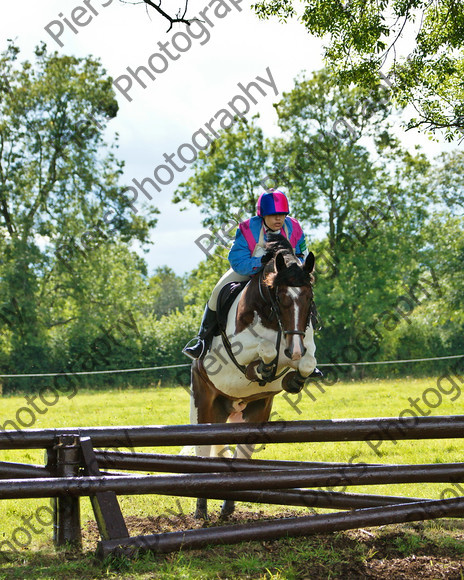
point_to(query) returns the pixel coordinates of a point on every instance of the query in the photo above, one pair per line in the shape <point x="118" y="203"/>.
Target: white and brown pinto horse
<point x="267" y="346"/>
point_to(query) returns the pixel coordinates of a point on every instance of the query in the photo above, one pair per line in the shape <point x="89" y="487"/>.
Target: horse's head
<point x="290" y="290"/>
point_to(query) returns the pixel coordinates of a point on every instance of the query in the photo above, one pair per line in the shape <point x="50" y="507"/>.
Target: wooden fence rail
<point x="73" y="469"/>
<point x="438" y="427"/>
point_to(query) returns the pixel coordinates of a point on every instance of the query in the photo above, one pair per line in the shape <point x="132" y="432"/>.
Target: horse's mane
<point x="293" y="274"/>
<point x="276" y="243"/>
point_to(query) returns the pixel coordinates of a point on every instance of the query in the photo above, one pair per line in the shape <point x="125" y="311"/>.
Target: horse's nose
<point x="296" y="351"/>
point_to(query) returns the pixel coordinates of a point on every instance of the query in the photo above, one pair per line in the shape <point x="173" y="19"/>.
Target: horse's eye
<point x="285" y="301"/>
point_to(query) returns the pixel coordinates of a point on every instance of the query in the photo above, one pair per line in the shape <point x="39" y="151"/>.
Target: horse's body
<point x="280" y="297"/>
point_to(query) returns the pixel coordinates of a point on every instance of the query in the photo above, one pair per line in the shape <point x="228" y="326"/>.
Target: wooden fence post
<point x="108" y="515"/>
<point x="67" y="516"/>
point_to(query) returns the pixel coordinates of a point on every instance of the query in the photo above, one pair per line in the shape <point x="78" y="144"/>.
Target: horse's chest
<point x="245" y="345"/>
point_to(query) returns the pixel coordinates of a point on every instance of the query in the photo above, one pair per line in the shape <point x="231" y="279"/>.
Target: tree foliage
<point x="65" y="224"/>
<point x="419" y="43"/>
<point x="385" y="224"/>
<point x="166" y="291"/>
<point x="320" y="156"/>
<point x="447" y="180"/>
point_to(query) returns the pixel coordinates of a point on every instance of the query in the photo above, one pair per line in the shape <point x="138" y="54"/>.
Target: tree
<point x="365" y="36"/>
<point x="59" y="194"/>
<point x="166" y="291"/>
<point x="320" y="158"/>
<point x="447" y="180"/>
<point x="445" y="235"/>
<point x="204" y="278"/>
<point x="347" y="174"/>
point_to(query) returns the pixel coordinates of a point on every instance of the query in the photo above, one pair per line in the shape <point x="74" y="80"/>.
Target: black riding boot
<point x="316" y="374"/>
<point x="205" y="335"/>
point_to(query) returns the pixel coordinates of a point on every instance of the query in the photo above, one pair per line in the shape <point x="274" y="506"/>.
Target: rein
<point x="269" y="371"/>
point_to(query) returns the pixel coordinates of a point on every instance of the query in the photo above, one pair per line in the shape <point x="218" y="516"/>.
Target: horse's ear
<point x="309" y="263"/>
<point x="280" y="262"/>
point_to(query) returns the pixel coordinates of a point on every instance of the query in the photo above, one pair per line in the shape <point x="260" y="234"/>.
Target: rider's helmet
<point x="272" y="202"/>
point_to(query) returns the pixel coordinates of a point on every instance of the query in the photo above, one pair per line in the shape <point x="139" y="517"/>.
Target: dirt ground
<point x="425" y="550"/>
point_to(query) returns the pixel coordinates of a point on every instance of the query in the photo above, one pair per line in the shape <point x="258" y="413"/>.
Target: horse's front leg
<point x="307" y="363"/>
<point x="294" y="381"/>
<point x="267" y="351"/>
<point x="261" y="369"/>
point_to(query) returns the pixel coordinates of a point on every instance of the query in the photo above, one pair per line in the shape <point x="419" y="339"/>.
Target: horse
<point x="266" y="345"/>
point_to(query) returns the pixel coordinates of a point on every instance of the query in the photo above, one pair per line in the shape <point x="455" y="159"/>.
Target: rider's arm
<point x="240" y="257"/>
<point x="301" y="250"/>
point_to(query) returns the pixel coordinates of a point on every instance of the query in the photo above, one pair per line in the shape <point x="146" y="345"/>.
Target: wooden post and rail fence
<point x="75" y="467"/>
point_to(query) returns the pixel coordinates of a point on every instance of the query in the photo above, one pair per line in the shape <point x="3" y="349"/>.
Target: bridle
<point x="275" y="307"/>
<point x="269" y="371"/>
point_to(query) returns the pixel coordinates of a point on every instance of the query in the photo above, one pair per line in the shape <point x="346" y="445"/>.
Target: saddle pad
<point x="225" y="300"/>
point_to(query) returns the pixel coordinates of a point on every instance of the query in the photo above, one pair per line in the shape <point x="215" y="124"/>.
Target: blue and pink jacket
<point x="241" y="256"/>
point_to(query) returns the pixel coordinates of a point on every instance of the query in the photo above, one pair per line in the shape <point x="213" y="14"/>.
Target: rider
<point x="245" y="257"/>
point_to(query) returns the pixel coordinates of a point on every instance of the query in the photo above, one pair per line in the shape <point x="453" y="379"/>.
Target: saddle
<point x="226" y="298"/>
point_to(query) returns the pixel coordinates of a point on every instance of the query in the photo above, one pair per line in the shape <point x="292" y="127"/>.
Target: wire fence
<point x="135" y="370"/>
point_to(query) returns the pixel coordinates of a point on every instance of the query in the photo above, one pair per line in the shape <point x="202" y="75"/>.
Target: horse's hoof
<point x="266" y="371"/>
<point x="257" y="372"/>
<point x="201" y="509"/>
<point x="293" y="382"/>
<point x="227" y="509"/>
<point x="251" y="373"/>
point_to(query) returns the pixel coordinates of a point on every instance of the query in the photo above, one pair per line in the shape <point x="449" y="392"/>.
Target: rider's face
<point x="275" y="221"/>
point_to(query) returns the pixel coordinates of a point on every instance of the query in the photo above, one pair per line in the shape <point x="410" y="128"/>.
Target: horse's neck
<point x="252" y="303"/>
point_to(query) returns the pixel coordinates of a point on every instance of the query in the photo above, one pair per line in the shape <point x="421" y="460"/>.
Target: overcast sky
<point x="198" y="81"/>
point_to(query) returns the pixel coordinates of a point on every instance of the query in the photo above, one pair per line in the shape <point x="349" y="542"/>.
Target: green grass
<point x="168" y="406"/>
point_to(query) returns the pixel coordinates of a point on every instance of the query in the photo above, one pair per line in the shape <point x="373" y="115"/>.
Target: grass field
<point x="328" y="556"/>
